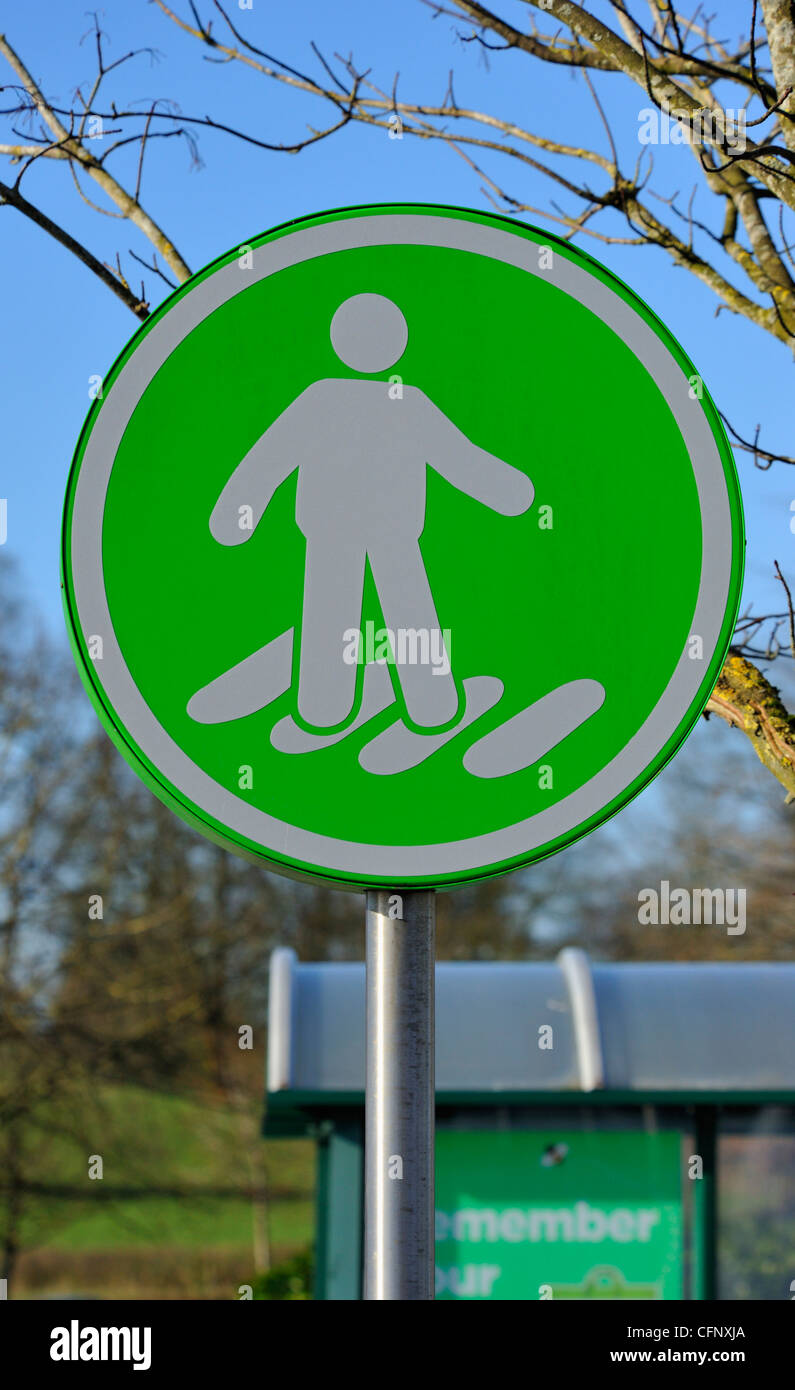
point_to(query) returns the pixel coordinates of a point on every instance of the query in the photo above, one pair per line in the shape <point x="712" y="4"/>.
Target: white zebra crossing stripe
<point x="399" y="749"/>
<point x="532" y="733"/>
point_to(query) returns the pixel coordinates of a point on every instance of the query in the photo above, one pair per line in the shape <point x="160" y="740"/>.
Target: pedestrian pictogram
<point x="370" y="466"/>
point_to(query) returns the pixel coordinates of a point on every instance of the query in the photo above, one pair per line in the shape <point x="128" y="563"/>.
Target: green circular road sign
<point x="403" y="547"/>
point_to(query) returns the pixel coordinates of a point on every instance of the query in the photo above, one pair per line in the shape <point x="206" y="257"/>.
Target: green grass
<point x="169" y="1221"/>
<point x="149" y="1141"/>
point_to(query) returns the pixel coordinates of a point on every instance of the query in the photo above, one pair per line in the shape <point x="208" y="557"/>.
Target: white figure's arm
<point x="240" y="507"/>
<point x="473" y="470"/>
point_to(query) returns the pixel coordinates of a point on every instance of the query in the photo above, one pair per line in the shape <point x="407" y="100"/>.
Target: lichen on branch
<point x="747" y="700"/>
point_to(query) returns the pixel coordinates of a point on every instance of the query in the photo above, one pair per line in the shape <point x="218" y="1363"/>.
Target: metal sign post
<point x="400" y="1094"/>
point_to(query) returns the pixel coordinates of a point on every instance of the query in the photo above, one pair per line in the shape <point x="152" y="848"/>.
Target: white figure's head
<point x="369" y="333"/>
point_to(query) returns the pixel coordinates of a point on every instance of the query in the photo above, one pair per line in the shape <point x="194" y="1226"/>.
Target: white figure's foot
<point x="398" y="749"/>
<point x="533" y="732"/>
<point x="377" y="695"/>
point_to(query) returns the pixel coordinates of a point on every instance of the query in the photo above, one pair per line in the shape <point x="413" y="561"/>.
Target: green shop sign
<point x="580" y="1215"/>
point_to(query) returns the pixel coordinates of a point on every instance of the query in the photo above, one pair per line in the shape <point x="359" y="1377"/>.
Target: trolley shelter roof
<point x="634" y="1032"/>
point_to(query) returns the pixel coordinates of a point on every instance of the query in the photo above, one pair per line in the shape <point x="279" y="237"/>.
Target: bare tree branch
<point x="747" y="701"/>
<point x="120" y="288"/>
<point x="75" y="149"/>
<point x="652" y="62"/>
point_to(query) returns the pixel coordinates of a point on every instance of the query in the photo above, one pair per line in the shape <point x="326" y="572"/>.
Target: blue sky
<point x="61" y="325"/>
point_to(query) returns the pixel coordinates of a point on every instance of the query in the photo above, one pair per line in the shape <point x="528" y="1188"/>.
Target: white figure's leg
<point x="333" y="586"/>
<point x="407" y="604"/>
